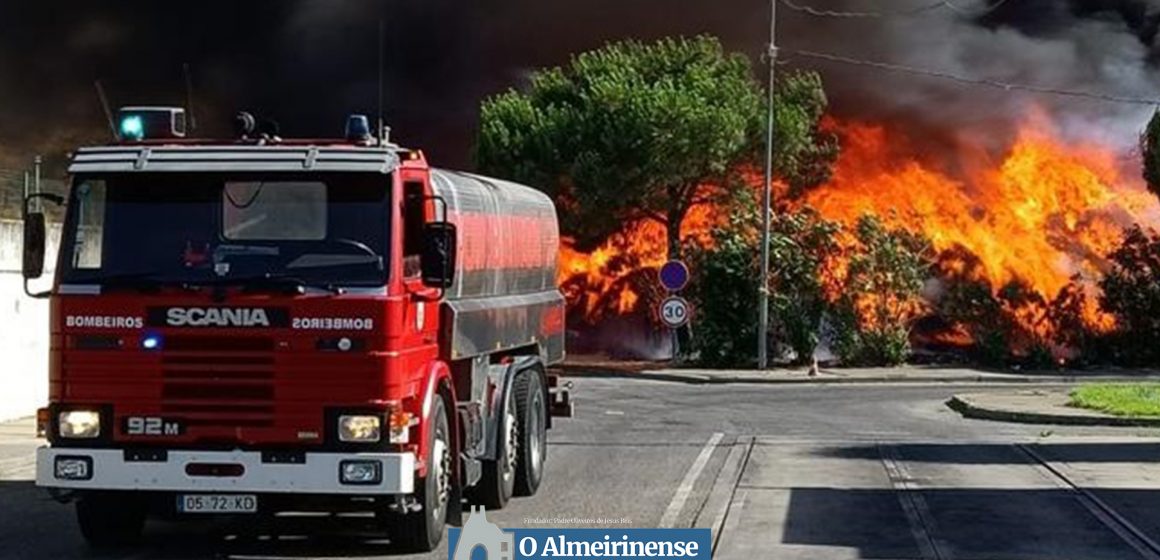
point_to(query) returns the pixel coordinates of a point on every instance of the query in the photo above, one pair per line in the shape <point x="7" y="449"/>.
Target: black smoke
<point x="308" y="63"/>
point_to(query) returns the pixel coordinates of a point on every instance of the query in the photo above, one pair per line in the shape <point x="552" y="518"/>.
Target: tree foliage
<point x="1150" y="152"/>
<point x="1131" y="292"/>
<point x="723" y="287"/>
<point x="803" y="248"/>
<point x="881" y="294"/>
<point x="635" y="130"/>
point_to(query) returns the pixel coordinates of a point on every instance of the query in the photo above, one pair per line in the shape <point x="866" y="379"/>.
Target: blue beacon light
<point x="132" y="127"/>
<point x="151" y="342"/>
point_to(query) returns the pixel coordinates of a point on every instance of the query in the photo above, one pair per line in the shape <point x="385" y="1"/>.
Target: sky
<point x="309" y="63"/>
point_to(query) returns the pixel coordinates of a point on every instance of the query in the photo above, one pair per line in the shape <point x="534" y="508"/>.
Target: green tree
<point x="881" y="294"/>
<point x="724" y="284"/>
<point x="803" y="247"/>
<point x="1150" y="152"/>
<point x="637" y="131"/>
<point x="1131" y="292"/>
<point x="802" y="250"/>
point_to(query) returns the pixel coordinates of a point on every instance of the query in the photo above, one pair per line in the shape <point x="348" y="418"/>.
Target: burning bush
<point x="1131" y="292"/>
<point x="881" y="294"/>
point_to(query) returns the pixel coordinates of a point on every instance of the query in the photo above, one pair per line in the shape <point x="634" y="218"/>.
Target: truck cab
<point x="256" y="325"/>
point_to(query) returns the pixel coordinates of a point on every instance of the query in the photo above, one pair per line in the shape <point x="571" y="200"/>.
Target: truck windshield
<point x="211" y="228"/>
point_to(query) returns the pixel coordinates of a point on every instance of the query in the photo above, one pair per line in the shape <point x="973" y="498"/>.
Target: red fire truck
<point x="259" y="325"/>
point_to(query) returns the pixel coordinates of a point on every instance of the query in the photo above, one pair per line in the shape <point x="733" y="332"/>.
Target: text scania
<point x="103" y="322"/>
<point x="561" y="546"/>
<point x="216" y="317"/>
<point x="333" y="323"/>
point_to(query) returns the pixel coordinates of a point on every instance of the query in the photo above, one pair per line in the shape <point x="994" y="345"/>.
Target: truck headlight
<point x="79" y="424"/>
<point x="360" y="428"/>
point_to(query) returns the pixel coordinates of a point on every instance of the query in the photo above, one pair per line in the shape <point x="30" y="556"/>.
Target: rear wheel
<point x="421" y="531"/>
<point x="498" y="482"/>
<point x="110" y="519"/>
<point x="532" y="417"/>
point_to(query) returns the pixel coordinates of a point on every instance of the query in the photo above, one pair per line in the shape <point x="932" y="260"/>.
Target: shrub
<point x="1131" y="293"/>
<point x="802" y="251"/>
<point x="802" y="248"/>
<point x="881" y="296"/>
<point x="723" y="287"/>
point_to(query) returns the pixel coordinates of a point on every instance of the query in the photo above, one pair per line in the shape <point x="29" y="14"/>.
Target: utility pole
<point x="766" y="211"/>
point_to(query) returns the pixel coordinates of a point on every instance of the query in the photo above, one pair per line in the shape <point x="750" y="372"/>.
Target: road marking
<point x="722" y="517"/>
<point x="18" y="468"/>
<point x="918" y="514"/>
<point x="1111" y="519"/>
<point x="669" y="519"/>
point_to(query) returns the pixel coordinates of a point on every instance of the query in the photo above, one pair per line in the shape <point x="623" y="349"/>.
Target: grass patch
<point x="1121" y="399"/>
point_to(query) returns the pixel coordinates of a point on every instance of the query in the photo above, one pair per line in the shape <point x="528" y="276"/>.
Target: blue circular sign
<point x="674" y="276"/>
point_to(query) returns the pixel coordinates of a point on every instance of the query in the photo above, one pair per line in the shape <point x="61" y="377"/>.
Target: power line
<point x="1006" y="86"/>
<point x="940" y="4"/>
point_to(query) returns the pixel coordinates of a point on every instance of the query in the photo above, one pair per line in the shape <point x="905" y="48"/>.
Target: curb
<point x="971" y="410"/>
<point x="695" y="379"/>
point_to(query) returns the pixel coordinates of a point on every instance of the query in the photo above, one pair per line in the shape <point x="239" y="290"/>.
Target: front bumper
<point x="318" y="474"/>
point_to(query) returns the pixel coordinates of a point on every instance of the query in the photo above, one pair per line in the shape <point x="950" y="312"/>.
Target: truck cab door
<point x="422" y="312"/>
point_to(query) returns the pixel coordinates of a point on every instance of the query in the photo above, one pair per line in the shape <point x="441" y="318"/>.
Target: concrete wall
<point x="23" y="329"/>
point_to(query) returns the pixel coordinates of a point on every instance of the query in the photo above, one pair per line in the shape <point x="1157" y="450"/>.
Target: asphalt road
<point x="817" y="472"/>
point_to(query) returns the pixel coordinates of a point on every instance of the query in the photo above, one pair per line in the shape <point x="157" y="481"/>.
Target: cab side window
<point x="414" y="216"/>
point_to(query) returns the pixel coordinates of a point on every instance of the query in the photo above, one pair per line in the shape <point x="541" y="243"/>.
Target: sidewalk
<point x="1047" y="406"/>
<point x="902" y="374"/>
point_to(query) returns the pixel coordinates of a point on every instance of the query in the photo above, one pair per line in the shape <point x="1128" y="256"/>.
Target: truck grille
<point x="219" y="381"/>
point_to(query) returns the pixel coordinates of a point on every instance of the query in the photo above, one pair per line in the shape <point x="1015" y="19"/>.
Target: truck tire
<point x="111" y="519"/>
<point x="422" y="531"/>
<point x="498" y="480"/>
<point x="532" y="415"/>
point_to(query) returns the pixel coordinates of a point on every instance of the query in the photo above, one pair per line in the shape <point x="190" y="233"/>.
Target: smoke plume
<point x="307" y="63"/>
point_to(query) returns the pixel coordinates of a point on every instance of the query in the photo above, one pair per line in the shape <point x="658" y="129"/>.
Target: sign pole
<point x="763" y="289"/>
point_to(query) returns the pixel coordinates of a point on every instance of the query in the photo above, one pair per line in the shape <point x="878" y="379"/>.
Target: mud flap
<point x="455" y="506"/>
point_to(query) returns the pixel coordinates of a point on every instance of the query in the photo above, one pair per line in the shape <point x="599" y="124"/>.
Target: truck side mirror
<point x="438" y="258"/>
<point x="35" y="236"/>
<point x="34" y="240"/>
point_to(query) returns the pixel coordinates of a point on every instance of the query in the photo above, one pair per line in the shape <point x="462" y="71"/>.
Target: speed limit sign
<point x="674" y="312"/>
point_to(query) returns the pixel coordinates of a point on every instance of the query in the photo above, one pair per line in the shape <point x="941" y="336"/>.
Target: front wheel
<point x="110" y="519"/>
<point x="421" y="531"/>
<point x="532" y="418"/>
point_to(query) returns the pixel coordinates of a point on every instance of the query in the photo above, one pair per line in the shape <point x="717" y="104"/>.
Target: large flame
<point x="1040" y="212"/>
<point x="1046" y="212"/>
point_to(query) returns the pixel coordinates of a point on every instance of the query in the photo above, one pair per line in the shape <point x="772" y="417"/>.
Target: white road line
<point x="669" y="519"/>
<point x="18" y="468"/>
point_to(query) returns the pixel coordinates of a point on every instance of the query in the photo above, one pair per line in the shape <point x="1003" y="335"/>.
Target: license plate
<point x="217" y="503"/>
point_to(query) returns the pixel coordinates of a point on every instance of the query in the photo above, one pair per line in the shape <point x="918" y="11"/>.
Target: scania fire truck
<point x="258" y="325"/>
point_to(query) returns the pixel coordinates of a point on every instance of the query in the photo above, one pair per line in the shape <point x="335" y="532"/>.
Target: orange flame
<point x="1047" y="212"/>
<point x="1041" y="212"/>
<point x="609" y="279"/>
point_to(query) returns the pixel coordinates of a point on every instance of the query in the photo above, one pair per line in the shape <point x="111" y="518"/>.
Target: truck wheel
<point x="532" y="414"/>
<point x="498" y="480"/>
<point x="421" y="531"/>
<point x="110" y="519"/>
